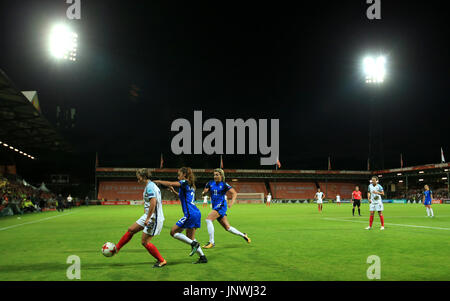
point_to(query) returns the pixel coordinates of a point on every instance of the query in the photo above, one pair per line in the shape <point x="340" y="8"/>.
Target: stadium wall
<point x="131" y="190"/>
<point x="248" y="187"/>
<point x="293" y="190"/>
<point x="120" y="190"/>
<point x="331" y="189"/>
<point x="307" y="190"/>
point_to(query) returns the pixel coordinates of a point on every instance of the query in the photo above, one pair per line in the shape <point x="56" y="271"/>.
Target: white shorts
<point x="376" y="206"/>
<point x="154" y="227"/>
<point x="319" y="201"/>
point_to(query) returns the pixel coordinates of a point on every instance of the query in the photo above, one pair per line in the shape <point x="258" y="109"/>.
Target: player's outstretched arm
<point x="167" y="183"/>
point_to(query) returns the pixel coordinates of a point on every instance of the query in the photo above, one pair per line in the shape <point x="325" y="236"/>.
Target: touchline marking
<point x="39" y="220"/>
<point x="392" y="217"/>
<point x="402" y="225"/>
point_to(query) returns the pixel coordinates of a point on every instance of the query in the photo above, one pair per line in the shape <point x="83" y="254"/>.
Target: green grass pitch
<point x="289" y="242"/>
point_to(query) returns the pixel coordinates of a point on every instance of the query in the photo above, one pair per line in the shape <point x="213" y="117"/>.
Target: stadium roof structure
<point x="430" y="168"/>
<point x="22" y="125"/>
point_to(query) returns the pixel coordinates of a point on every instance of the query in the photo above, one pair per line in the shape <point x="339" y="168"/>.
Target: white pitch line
<point x="402" y="225"/>
<point x="39" y="220"/>
<point x="409" y="216"/>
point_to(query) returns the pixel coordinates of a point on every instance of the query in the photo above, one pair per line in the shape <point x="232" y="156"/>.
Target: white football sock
<point x="187" y="240"/>
<point x="210" y="226"/>
<point x="235" y="231"/>
<point x="428" y="211"/>
<point x="200" y="252"/>
<point x="183" y="238"/>
<point x="431" y="211"/>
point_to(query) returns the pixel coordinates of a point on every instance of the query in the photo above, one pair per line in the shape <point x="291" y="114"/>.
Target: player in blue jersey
<point x="217" y="189"/>
<point x="427" y="200"/>
<point x="152" y="220"/>
<point x="192" y="216"/>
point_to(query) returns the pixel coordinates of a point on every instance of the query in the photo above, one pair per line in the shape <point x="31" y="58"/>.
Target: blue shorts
<point x="427" y="202"/>
<point x="193" y="221"/>
<point x="221" y="209"/>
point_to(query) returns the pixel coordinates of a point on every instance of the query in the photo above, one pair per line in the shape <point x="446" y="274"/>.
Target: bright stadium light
<point x="63" y="43"/>
<point x="16" y="150"/>
<point x="374" y="69"/>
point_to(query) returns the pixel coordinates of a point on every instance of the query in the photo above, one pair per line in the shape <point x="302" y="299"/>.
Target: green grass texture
<point x="290" y="242"/>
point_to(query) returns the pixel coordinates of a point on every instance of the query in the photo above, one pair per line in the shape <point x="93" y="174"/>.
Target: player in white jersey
<point x="69" y="201"/>
<point x="151" y="221"/>
<point x="338" y="200"/>
<point x="319" y="198"/>
<point x="269" y="198"/>
<point x="205" y="201"/>
<point x="374" y="193"/>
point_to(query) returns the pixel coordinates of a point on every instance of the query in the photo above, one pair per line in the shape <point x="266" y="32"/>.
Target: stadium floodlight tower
<point x="63" y="43"/>
<point x="375" y="75"/>
<point x="375" y="69"/>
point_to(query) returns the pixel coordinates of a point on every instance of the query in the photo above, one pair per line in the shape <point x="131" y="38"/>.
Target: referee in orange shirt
<point x="356" y="200"/>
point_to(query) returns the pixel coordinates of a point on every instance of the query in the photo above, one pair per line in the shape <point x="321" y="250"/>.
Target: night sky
<point x="301" y="64"/>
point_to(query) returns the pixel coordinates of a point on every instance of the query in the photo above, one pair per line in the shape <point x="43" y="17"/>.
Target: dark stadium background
<point x="143" y="64"/>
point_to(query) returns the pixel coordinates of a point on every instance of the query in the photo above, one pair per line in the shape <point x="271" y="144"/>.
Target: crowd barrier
<point x="165" y="202"/>
<point x="393" y="201"/>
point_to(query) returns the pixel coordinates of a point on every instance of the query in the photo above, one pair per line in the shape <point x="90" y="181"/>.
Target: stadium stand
<point x="120" y="183"/>
<point x="18" y="198"/>
<point x="249" y="187"/>
<point x="23" y="129"/>
<point x="22" y="124"/>
<point x="288" y="185"/>
<point x="293" y="190"/>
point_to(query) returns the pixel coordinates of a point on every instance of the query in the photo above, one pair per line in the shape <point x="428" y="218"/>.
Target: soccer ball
<point x="108" y="249"/>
